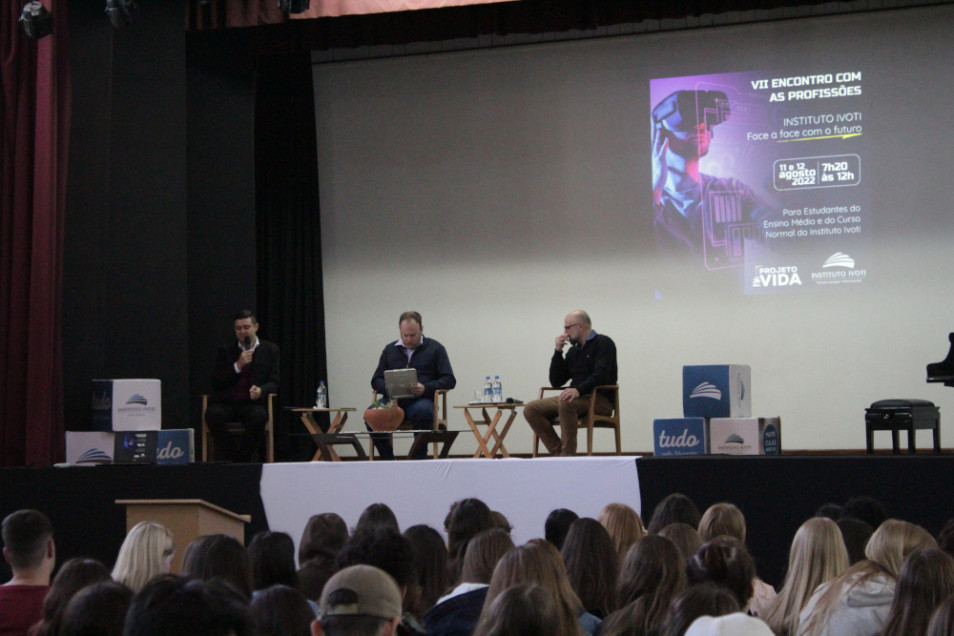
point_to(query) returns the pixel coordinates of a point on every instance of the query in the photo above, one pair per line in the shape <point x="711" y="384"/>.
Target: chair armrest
<point x="440" y="408"/>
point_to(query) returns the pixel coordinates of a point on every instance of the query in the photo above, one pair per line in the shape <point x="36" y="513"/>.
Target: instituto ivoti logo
<point x="706" y="390"/>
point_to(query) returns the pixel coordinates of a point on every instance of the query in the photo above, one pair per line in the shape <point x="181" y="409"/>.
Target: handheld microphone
<point x="248" y="343"/>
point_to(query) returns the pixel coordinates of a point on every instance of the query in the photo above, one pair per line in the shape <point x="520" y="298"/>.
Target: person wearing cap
<point x="683" y="197"/>
<point x="360" y="600"/>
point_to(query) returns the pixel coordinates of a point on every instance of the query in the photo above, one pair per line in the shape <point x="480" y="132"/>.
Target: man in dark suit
<point x="245" y="373"/>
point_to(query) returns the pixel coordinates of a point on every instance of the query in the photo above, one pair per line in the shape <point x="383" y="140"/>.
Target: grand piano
<point x="943" y="371"/>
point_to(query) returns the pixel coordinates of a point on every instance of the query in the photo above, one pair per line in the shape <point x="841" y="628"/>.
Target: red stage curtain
<point x="35" y="111"/>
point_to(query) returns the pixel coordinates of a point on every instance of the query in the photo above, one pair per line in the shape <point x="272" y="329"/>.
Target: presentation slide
<point x="771" y="194"/>
<point x="757" y="180"/>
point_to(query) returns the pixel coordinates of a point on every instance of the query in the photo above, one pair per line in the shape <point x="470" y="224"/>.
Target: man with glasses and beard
<point x="589" y="362"/>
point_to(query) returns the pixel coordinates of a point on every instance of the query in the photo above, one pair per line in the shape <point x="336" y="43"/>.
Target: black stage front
<point x="775" y="493"/>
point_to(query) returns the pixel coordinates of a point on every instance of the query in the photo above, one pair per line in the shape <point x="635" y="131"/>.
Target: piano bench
<point x="902" y="415"/>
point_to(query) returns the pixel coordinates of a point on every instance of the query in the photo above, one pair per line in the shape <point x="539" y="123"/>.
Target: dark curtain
<point x="289" y="281"/>
<point x="35" y="110"/>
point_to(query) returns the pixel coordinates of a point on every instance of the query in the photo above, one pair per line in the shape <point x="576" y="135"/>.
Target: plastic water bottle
<point x="497" y="390"/>
<point x="321" y="396"/>
<point x="488" y="391"/>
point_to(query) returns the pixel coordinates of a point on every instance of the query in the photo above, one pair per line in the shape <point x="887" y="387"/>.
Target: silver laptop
<point x="398" y="383"/>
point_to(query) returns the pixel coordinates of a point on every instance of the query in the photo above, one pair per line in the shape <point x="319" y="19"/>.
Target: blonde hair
<point x="817" y="555"/>
<point x="142" y="555"/>
<point x="886" y="551"/>
<point x="722" y="519"/>
<point x="537" y="562"/>
<point x="623" y="525"/>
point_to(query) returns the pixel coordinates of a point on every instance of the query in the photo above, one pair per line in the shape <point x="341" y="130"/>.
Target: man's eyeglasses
<point x="568" y="327"/>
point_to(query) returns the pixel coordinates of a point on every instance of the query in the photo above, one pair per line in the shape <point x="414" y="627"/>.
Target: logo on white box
<point x="706" y="390"/>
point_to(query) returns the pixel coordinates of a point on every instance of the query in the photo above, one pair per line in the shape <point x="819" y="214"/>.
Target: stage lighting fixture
<point x="294" y="6"/>
<point x="120" y="12"/>
<point x="37" y="20"/>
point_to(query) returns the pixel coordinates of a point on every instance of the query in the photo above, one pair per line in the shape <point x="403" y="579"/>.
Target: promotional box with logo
<point x="88" y="448"/>
<point x="679" y="436"/>
<point x="175" y="446"/>
<point x="135" y="447"/>
<point x="127" y="405"/>
<point x="745" y="436"/>
<point x="717" y="390"/>
<point x="170" y="446"/>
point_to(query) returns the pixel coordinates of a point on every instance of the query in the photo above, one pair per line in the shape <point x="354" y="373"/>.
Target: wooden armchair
<point x="591" y="419"/>
<point x="208" y="441"/>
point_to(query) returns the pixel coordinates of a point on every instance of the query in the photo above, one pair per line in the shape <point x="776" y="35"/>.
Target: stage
<point x="775" y="493"/>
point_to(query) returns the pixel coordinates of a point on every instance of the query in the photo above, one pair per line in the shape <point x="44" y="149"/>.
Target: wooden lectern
<point x="187" y="519"/>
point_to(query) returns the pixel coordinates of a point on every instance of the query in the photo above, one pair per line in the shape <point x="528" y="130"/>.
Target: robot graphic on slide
<point x="699" y="216"/>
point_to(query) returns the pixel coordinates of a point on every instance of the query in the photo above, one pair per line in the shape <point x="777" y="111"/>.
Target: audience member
<point x="281" y="610"/>
<point x="272" y="558"/>
<point x="456" y="613"/>
<point x="722" y="519"/>
<point x="725" y="519"/>
<point x="830" y="510"/>
<point x="500" y="520"/>
<point x="855" y="533"/>
<point x="323" y="537"/>
<point x="386" y="550"/>
<point x="360" y="600"/>
<point x="653" y="574"/>
<point x="724" y="561"/>
<point x="592" y="566"/>
<point x="217" y="556"/>
<point x="97" y="610"/>
<point x="817" y="556"/>
<point x="73" y="576"/>
<point x="737" y="624"/>
<point x="171" y="604"/>
<point x="705" y="599"/>
<point x="676" y="508"/>
<point x="147" y="551"/>
<point x="29" y="550"/>
<point x="624" y="526"/>
<point x="520" y="610"/>
<point x="684" y="536"/>
<point x="429" y="578"/>
<point x="942" y="621"/>
<point x="868" y="509"/>
<point x="539" y="562"/>
<point x="557" y="525"/>
<point x="926" y="579"/>
<point x="375" y="516"/>
<point x="857" y="602"/>
<point x="945" y="538"/>
<point x="464" y="520"/>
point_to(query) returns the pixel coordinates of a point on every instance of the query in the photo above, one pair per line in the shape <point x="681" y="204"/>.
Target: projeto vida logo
<point x="784" y="276"/>
<point x="839" y="269"/>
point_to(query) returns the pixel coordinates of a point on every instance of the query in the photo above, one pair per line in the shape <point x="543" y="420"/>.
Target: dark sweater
<point x="429" y="358"/>
<point x="586" y="367"/>
<point x="457" y="616"/>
